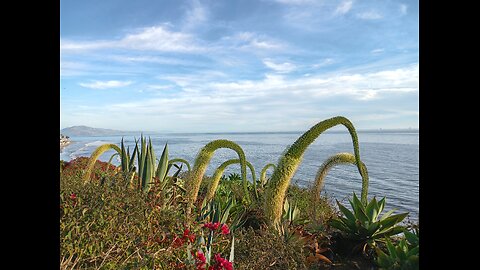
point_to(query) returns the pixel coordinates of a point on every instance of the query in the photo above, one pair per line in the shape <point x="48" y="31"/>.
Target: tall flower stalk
<point x="289" y="162"/>
<point x="181" y="160"/>
<point x="263" y="175"/>
<point x="218" y="175"/>
<point x="340" y="158"/>
<point x="200" y="166"/>
<point x="94" y="156"/>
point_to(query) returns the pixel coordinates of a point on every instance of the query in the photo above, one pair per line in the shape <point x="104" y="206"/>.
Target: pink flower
<point x="73" y="196"/>
<point x="225" y="229"/>
<point x="188" y="235"/>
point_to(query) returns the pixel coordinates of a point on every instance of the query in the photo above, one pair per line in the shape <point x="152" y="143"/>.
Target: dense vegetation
<point x="150" y="213"/>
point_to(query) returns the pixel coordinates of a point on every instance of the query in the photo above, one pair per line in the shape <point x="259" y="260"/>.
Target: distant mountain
<point x="90" y="131"/>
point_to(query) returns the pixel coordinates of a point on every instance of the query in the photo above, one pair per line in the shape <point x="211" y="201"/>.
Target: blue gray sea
<point x="391" y="159"/>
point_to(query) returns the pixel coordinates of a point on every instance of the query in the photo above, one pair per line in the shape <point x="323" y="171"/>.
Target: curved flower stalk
<point x="93" y="158"/>
<point x="263" y="175"/>
<point x="340" y="158"/>
<point x="200" y="166"/>
<point x="288" y="164"/>
<point x="218" y="174"/>
<point x="171" y="161"/>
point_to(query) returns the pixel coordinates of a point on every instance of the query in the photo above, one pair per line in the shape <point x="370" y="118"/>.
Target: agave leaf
<point x="386" y="215"/>
<point x="124" y="163"/>
<point x="413" y="251"/>
<point x="147" y="172"/>
<point x="348" y="214"/>
<point x="411" y="238"/>
<point x="371" y="210"/>
<point x="372" y="228"/>
<point x="351" y="224"/>
<point x="141" y="158"/>
<point x="381" y="205"/>
<point x="392" y="220"/>
<point x="163" y="164"/>
<point x="400" y="253"/>
<point x="382" y="259"/>
<point x="391" y="249"/>
<point x="226" y="211"/>
<point x="389" y="231"/>
<point x="359" y="209"/>
<point x="132" y="159"/>
<point x="338" y="225"/>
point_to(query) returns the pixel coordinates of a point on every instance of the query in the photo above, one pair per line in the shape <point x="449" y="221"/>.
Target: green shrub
<point x="404" y="255"/>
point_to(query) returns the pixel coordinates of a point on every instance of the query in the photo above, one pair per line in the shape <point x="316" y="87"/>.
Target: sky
<point x="238" y="65"/>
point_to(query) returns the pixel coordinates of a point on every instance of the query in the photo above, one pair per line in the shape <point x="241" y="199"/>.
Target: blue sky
<point x="238" y="65"/>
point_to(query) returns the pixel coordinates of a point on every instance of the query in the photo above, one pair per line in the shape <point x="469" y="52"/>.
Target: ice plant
<point x="95" y="155"/>
<point x="263" y="175"/>
<point x="289" y="162"/>
<point x="200" y="166"/>
<point x="212" y="226"/>
<point x="218" y="175"/>
<point x="340" y="158"/>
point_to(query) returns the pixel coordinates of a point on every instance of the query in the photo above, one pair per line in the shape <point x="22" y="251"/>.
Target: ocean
<point x="391" y="159"/>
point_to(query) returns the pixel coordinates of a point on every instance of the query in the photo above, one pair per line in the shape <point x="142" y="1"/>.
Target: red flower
<point x="211" y="226"/>
<point x="225" y="229"/>
<point x="188" y="236"/>
<point x="221" y="263"/>
<point x="73" y="196"/>
<point x="200" y="261"/>
<point x="177" y="242"/>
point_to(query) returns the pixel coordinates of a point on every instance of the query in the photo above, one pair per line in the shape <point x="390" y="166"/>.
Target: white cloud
<point x="377" y="51"/>
<point x="155" y="38"/>
<point x="370" y="15"/>
<point x="403" y="9"/>
<point x="105" y="84"/>
<point x="344" y="7"/>
<point x="279" y="67"/>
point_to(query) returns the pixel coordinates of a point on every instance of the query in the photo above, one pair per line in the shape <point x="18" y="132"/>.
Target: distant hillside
<point x="90" y="131"/>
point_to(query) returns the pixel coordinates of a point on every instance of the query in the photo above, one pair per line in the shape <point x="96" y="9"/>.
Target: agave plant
<point x="145" y="154"/>
<point x="219" y="172"/>
<point x="405" y="255"/>
<point x="340" y="158"/>
<point x="363" y="225"/>
<point x="200" y="166"/>
<point x="290" y="160"/>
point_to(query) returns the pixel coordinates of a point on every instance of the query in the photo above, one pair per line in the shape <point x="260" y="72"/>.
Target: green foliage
<point x="403" y="256"/>
<point x="363" y="225"/>
<point x="340" y="158"/>
<point x="200" y="166"/>
<point x="289" y="162"/>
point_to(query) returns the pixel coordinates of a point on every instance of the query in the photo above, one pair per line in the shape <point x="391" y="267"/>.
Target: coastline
<point x="64" y="143"/>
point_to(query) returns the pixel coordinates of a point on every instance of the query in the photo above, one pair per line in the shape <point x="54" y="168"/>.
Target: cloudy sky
<point x="238" y="65"/>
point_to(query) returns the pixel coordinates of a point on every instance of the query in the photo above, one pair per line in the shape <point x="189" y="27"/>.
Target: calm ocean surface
<point x="391" y="159"/>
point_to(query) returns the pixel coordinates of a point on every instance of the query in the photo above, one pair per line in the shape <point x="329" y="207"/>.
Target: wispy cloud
<point x="155" y="38"/>
<point x="403" y="9"/>
<point x="326" y="62"/>
<point x="195" y="16"/>
<point x="370" y="15"/>
<point x="377" y="51"/>
<point x="105" y="84"/>
<point x="249" y="40"/>
<point x="344" y="7"/>
<point x="285" y="67"/>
